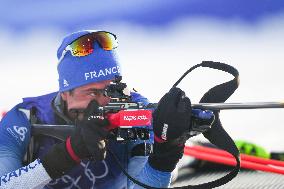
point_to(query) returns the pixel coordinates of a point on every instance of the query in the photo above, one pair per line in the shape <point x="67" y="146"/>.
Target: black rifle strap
<point x="217" y="134"/>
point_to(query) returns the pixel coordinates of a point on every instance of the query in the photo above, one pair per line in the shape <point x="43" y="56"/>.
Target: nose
<point x="108" y="99"/>
<point x="105" y="100"/>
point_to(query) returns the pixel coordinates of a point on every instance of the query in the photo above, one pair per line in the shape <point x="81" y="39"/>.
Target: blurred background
<point x="158" y="41"/>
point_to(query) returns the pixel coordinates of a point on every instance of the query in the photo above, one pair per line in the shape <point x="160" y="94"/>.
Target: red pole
<point x="231" y="161"/>
<point x="243" y="156"/>
<point x="3" y="113"/>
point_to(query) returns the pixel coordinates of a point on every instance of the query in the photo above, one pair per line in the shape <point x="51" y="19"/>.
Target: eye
<point x="93" y="94"/>
<point x="96" y="92"/>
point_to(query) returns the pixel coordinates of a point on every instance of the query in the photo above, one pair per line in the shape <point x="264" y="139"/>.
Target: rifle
<point x="131" y="120"/>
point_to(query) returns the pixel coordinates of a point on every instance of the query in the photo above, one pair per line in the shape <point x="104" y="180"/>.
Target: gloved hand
<point x="172" y="117"/>
<point x="87" y="141"/>
<point x="171" y="123"/>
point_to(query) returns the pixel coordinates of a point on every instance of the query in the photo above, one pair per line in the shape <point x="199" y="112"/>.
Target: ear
<point x="64" y="95"/>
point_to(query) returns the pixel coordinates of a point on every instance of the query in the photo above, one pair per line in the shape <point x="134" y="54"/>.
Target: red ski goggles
<point x="84" y="45"/>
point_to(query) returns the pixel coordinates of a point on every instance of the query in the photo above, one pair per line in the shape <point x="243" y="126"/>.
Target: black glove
<point x="171" y="124"/>
<point x="172" y="118"/>
<point x="87" y="141"/>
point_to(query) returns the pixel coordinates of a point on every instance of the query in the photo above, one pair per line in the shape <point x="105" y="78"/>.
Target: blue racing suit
<point x="15" y="137"/>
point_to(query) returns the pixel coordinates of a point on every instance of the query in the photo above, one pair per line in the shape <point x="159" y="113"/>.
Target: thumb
<point x="184" y="104"/>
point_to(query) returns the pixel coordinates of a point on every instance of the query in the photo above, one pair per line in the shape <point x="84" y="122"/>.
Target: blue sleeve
<point x="14" y="139"/>
<point x="144" y="173"/>
<point x="153" y="177"/>
<point x="136" y="97"/>
<point x="139" y="168"/>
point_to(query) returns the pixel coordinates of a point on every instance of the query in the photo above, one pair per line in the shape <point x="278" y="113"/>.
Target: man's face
<point x="81" y="96"/>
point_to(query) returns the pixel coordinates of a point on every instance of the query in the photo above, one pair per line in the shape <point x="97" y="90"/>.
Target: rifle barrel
<point x="241" y="105"/>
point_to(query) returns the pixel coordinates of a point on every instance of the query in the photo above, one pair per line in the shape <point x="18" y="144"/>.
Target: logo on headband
<point x="65" y="83"/>
<point x="102" y="72"/>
